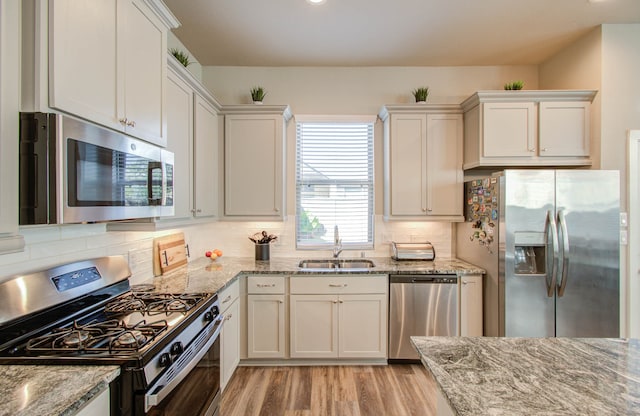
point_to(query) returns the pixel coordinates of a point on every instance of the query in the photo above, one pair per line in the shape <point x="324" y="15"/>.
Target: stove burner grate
<point x="153" y="303"/>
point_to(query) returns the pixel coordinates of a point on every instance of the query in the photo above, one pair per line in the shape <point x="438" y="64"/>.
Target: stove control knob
<point x="177" y="348"/>
<point x="165" y="360"/>
<point x="208" y="316"/>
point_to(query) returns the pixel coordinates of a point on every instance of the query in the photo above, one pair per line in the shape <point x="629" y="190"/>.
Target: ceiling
<point x="388" y="33"/>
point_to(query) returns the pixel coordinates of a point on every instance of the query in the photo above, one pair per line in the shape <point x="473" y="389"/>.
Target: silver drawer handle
<point x="334" y="285"/>
<point x="265" y="285"/>
<point x="228" y="317"/>
<point x="227" y="299"/>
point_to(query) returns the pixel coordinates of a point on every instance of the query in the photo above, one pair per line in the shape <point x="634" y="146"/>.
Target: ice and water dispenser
<point x="530" y="253"/>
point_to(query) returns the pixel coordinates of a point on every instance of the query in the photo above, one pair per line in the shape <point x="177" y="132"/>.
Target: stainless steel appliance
<point x="73" y="171"/>
<point x="549" y="241"/>
<point x="420" y="305"/>
<point x="413" y="251"/>
<point x="167" y="345"/>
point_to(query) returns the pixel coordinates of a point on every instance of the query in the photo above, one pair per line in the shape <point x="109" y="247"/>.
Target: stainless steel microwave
<point x="73" y="171"/>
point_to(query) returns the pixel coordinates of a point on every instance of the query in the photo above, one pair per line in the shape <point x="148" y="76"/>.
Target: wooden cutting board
<point x="169" y="252"/>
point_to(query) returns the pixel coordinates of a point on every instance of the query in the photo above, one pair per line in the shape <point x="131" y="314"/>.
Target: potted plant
<point x="182" y="57"/>
<point x="421" y="94"/>
<point x="257" y="94"/>
<point x="514" y="85"/>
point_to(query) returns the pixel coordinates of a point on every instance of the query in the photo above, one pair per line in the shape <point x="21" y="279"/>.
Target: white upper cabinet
<point x="423" y="177"/>
<point x="527" y="128"/>
<point x="205" y="175"/>
<point x="254" y="161"/>
<point x="107" y="63"/>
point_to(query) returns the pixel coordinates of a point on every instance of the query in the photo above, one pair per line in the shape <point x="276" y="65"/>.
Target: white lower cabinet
<point x="471" y="305"/>
<point x="338" y="317"/>
<point x="98" y="406"/>
<point x="230" y="335"/>
<point x="265" y="317"/>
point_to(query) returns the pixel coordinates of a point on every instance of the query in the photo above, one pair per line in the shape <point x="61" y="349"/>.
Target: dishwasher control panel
<point x="424" y="278"/>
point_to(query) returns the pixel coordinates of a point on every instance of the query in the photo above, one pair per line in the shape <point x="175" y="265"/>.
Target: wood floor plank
<point x="396" y="390"/>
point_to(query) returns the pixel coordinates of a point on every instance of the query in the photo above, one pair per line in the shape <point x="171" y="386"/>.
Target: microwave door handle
<point x="157" y="394"/>
<point x="565" y="254"/>
<point x="551" y="226"/>
<point x="150" y="196"/>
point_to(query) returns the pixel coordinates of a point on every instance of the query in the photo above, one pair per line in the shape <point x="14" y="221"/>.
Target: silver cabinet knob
<point x="123" y="121"/>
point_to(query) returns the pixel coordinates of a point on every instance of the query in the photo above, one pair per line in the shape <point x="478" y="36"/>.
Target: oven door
<point x="191" y="386"/>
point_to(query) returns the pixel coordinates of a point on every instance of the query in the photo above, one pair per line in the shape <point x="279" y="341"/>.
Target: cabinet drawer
<point x="227" y="295"/>
<point x="339" y="284"/>
<point x="260" y="284"/>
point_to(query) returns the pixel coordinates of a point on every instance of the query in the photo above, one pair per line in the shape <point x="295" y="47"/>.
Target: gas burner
<point x="75" y="338"/>
<point x="128" y="339"/>
<point x="154" y="303"/>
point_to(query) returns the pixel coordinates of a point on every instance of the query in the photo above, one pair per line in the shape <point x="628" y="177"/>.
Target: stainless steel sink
<point x="336" y="264"/>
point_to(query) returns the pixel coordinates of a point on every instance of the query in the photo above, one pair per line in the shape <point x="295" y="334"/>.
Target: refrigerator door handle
<point x="551" y="224"/>
<point x="565" y="254"/>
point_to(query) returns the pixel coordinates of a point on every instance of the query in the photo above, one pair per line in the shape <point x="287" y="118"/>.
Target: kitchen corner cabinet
<point x="107" y="63"/>
<point x="266" y="316"/>
<point x="527" y="128"/>
<point x="338" y="317"/>
<point x="423" y="178"/>
<point x="230" y="335"/>
<point x="254" y="161"/>
<point x="471" y="305"/>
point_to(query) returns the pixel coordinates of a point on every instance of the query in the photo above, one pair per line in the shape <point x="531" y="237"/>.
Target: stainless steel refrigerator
<point x="549" y="241"/>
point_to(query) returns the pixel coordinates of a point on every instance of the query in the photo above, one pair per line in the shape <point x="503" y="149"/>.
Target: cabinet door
<point x="444" y="164"/>
<point x="407" y="159"/>
<point x="205" y="158"/>
<point x="180" y="142"/>
<point x="471" y="306"/>
<point x="362" y="326"/>
<point x="83" y="59"/>
<point x="265" y="326"/>
<point x="253" y="165"/>
<point x="230" y="343"/>
<point x="509" y="129"/>
<point x="564" y="128"/>
<point x="314" y="326"/>
<point x="143" y="47"/>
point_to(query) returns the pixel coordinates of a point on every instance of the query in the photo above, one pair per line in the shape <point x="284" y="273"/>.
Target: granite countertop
<point x="535" y="376"/>
<point x="51" y="390"/>
<point x="204" y="275"/>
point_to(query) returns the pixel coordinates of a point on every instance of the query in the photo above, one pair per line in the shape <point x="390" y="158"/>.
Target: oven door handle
<point x="159" y="391"/>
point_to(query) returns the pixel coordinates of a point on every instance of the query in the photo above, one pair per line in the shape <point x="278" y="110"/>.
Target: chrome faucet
<point x="337" y="243"/>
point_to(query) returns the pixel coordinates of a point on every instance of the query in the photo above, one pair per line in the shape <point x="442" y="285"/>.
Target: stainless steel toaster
<point x="413" y="251"/>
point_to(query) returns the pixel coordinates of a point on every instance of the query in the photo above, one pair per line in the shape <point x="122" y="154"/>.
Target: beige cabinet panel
<point x="314" y="326"/>
<point x="471" y="306"/>
<point x="265" y="326"/>
<point x="509" y="129"/>
<point x="362" y="326"/>
<point x="230" y="342"/>
<point x="144" y="46"/>
<point x="180" y="142"/>
<point x="564" y="128"/>
<point x="205" y="137"/>
<point x="423" y="177"/>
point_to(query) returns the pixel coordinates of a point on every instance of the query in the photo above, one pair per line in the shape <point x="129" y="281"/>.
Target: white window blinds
<point x="334" y="184"/>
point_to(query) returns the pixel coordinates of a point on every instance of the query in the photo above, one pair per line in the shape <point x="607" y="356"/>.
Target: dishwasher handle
<point x="425" y="279"/>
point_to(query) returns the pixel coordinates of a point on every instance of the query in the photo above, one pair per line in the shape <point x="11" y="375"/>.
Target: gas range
<point x="87" y="313"/>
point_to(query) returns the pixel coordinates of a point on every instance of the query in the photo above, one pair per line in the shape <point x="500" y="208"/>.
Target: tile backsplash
<point x="46" y="246"/>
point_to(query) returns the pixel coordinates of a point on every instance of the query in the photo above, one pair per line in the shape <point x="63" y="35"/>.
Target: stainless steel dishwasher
<point x="420" y="305"/>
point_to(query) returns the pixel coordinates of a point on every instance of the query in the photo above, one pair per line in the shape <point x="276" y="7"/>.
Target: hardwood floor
<point x="396" y="390"/>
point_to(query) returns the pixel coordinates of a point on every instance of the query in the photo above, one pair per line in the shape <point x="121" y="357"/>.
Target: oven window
<point x="199" y="393"/>
<point x="98" y="176"/>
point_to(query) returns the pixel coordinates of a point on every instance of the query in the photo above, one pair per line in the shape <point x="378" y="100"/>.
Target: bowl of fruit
<point x="213" y="254"/>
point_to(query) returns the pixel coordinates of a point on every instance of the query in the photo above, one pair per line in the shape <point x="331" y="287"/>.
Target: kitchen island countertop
<point x="51" y="390"/>
<point x="204" y="275"/>
<point x="535" y="376"/>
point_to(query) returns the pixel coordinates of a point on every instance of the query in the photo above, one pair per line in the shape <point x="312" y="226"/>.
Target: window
<point x="334" y="182"/>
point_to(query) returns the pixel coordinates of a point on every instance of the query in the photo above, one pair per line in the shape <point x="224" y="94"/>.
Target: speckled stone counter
<point x="535" y="376"/>
<point x="29" y="390"/>
<point x="204" y="275"/>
